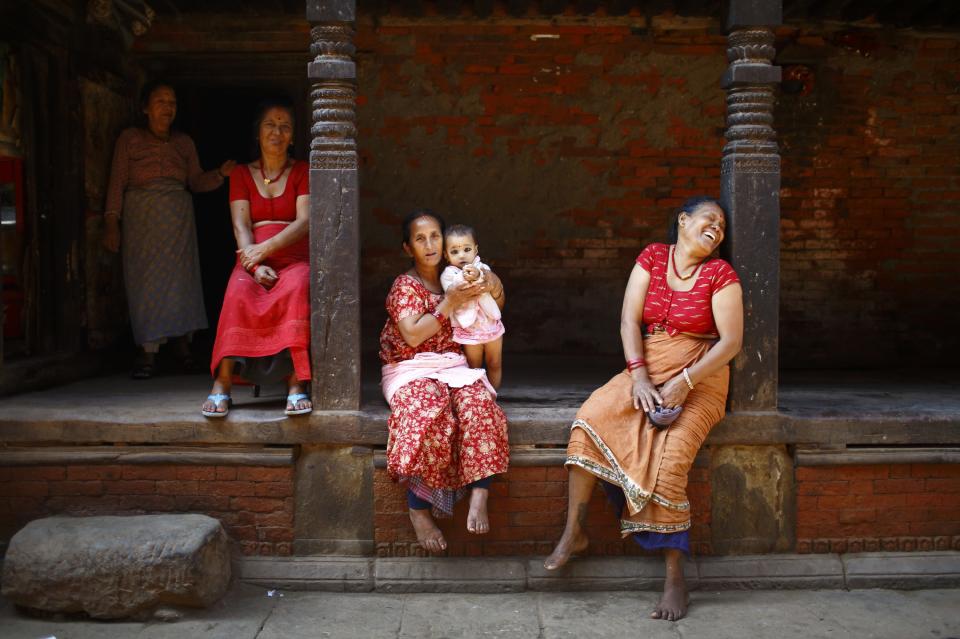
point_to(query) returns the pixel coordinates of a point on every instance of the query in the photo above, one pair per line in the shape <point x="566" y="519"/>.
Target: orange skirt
<point x="617" y="443"/>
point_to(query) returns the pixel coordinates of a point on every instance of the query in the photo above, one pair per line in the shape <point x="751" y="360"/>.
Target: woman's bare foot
<point x="477" y="521"/>
<point x="570" y="544"/>
<point x="675" y="600"/>
<point x="673" y="604"/>
<point x="428" y="535"/>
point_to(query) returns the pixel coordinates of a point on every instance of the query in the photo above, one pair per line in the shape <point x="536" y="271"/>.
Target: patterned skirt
<point x="161" y="264"/>
<point x="617" y="443"/>
<point x="441" y="439"/>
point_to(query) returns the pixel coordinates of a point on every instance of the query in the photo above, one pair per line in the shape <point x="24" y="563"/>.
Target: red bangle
<point x="634" y="364"/>
<point x="436" y="313"/>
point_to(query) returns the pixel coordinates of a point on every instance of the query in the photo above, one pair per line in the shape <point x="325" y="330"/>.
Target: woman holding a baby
<point x="447" y="435"/>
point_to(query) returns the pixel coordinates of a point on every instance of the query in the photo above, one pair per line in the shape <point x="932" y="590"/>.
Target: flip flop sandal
<point x="292" y="400"/>
<point x="216" y="398"/>
<point x="142" y="371"/>
<point x="662" y="417"/>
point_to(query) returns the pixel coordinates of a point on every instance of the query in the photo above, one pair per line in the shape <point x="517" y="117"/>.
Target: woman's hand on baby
<point x="674" y="392"/>
<point x="463" y="292"/>
<point x="644" y="393"/>
<point x="265" y="276"/>
<point x="252" y="255"/>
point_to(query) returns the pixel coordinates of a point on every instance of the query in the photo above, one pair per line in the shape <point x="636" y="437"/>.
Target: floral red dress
<point x="440" y="439"/>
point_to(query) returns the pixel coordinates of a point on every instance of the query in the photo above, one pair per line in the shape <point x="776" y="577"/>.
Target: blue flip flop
<point x="216" y="398"/>
<point x="292" y="400"/>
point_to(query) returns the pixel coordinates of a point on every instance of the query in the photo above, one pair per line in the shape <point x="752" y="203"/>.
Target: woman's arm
<point x="242" y="227"/>
<point x="119" y="177"/>
<point x="199" y="180"/>
<point x="727" y="307"/>
<point x="645" y="395"/>
<point x="253" y="254"/>
<point x="492" y="284"/>
<point x="416" y="329"/>
<point x="243" y="232"/>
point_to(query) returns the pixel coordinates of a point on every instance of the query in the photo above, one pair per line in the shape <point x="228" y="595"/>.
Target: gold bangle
<point x="686" y="378"/>
<point x="496" y="297"/>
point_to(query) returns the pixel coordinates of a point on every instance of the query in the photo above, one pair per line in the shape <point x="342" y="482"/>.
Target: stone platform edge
<point x="902" y="571"/>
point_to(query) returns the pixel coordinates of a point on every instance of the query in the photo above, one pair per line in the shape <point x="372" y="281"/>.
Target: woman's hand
<point x="111" y="233"/>
<point x="644" y="393"/>
<point x="253" y="255"/>
<point x="674" y="392"/>
<point x="490" y="283"/>
<point x="458" y="294"/>
<point x="265" y="276"/>
<point x="227" y="168"/>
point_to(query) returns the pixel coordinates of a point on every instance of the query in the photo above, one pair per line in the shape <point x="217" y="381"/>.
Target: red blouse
<point x="282" y="207"/>
<point x="408" y="296"/>
<point x="682" y="311"/>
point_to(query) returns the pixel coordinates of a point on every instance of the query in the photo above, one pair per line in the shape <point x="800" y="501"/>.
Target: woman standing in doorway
<point x="152" y="169"/>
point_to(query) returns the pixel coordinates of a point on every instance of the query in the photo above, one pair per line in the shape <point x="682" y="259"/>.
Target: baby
<point x="476" y="324"/>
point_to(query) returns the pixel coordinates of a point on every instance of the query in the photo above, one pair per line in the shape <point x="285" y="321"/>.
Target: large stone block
<point x="113" y="567"/>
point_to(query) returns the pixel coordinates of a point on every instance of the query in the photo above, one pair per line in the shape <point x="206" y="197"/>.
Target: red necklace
<point x="673" y="262"/>
<point x="268" y="180"/>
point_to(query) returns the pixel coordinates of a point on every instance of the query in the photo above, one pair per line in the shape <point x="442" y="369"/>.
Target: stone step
<point x="515" y="574"/>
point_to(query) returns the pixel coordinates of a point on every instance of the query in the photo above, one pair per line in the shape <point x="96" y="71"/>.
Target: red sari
<point x="255" y="321"/>
<point x="440" y="438"/>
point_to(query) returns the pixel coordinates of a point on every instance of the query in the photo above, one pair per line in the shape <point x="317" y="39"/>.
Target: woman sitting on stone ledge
<point x="641" y="431"/>
<point x="447" y="435"/>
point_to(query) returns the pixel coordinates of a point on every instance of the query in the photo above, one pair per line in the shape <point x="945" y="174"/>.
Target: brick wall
<point x="878" y="507"/>
<point x="527" y="511"/>
<point x="254" y="503"/>
<point x="871" y="192"/>
<point x="568" y="143"/>
<point x="567" y="140"/>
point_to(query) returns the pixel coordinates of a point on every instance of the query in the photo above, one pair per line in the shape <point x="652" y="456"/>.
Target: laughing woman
<point x="681" y="324"/>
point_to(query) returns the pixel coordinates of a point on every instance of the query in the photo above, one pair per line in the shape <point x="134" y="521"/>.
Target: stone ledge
<point x="332" y="574"/>
<point x="449" y="575"/>
<point x="770" y="572"/>
<point x="515" y="574"/>
<point x="903" y="570"/>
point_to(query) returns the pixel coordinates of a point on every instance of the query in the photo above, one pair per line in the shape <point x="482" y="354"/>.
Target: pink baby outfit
<point x="477" y="321"/>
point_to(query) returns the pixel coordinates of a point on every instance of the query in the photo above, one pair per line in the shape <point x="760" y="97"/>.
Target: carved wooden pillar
<point x="334" y="224"/>
<point x="750" y="189"/>
<point x="334" y="494"/>
<point x="753" y="493"/>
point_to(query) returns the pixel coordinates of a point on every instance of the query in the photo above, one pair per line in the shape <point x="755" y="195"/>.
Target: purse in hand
<point x="662" y="417"/>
